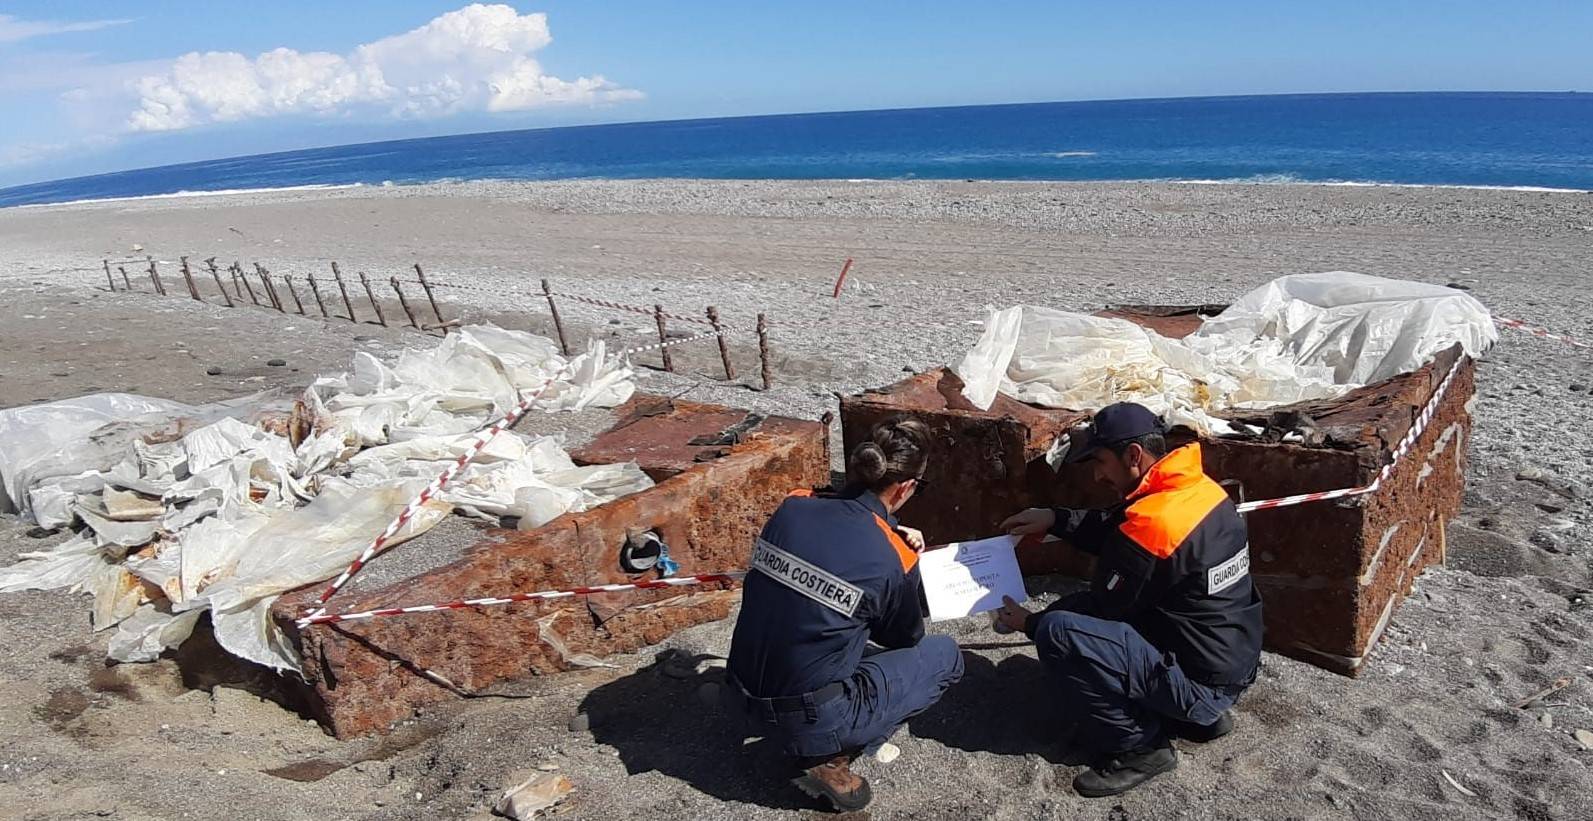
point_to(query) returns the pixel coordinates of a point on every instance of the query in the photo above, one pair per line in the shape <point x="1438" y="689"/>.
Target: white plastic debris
<point x="1299" y="337"/>
<point x="30" y="435"/>
<point x="535" y="794"/>
<point x="212" y="508"/>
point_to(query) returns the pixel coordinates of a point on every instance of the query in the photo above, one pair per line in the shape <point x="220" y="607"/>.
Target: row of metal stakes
<point x="663" y="336"/>
<point x="273" y="299"/>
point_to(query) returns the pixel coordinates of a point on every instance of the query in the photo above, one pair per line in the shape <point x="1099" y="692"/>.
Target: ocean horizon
<point x="1521" y="140"/>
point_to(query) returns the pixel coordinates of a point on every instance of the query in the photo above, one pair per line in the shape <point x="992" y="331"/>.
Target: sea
<point x="1512" y="140"/>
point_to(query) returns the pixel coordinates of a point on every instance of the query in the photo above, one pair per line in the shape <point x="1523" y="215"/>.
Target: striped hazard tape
<point x="1406" y="442"/>
<point x="1518" y="325"/>
<point x="491" y="601"/>
<point x="480" y="441"/>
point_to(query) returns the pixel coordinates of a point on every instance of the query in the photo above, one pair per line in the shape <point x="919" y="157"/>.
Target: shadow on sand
<point x="1008" y="708"/>
<point x="660" y="723"/>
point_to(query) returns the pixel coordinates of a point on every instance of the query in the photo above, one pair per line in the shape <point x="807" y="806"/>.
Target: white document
<point x="964" y="578"/>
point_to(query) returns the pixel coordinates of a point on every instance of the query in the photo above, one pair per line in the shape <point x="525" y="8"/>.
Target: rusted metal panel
<point x="983" y="460"/>
<point x="668" y="436"/>
<point x="1331" y="573"/>
<point x="361" y="676"/>
<point x="1171" y="321"/>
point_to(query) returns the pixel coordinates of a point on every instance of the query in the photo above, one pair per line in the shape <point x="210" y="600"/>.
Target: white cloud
<point x="14" y="29"/>
<point x="478" y="58"/>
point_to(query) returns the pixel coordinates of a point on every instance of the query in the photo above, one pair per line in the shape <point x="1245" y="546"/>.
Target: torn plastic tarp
<point x="1297" y="338"/>
<point x="30" y="435"/>
<point x="63" y="441"/>
<point x="189" y="509"/>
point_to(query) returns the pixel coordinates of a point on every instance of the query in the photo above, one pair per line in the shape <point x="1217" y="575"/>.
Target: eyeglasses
<point x="919" y="482"/>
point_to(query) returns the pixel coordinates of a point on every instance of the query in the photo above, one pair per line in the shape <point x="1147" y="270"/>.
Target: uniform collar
<point x="1178" y="469"/>
<point x="870" y="500"/>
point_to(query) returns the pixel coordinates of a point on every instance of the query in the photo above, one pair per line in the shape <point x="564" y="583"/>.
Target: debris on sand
<point x="534" y="795"/>
<point x="180" y="510"/>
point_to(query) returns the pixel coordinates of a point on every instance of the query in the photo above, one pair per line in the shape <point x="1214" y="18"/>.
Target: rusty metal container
<point x="710" y="502"/>
<point x="1331" y="573"/>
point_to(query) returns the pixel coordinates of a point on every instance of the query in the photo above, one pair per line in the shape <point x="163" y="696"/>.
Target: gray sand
<point x="181" y="738"/>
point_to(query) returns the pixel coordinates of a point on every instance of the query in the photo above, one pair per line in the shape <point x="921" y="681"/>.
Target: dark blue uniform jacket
<point x="829" y="574"/>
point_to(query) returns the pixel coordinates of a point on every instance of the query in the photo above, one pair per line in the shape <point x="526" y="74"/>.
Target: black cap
<point x="1113" y="425"/>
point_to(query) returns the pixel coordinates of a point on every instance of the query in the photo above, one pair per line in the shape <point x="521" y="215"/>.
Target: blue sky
<point x="87" y="87"/>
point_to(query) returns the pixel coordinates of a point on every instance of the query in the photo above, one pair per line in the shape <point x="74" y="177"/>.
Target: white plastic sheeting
<point x="190" y="509"/>
<point x="1300" y="337"/>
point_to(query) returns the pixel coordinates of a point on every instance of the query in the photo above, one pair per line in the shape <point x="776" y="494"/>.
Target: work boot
<point x="834" y="780"/>
<point x="1125" y="771"/>
<point x="1200" y="733"/>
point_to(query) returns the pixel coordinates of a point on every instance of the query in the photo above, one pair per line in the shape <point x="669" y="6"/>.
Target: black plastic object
<point x="641" y="552"/>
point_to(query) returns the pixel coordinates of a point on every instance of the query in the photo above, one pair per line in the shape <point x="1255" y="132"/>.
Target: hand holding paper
<point x="965" y="578"/>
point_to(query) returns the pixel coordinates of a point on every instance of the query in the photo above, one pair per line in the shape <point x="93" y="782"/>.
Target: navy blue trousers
<point x="888" y="688"/>
<point x="1119" y="686"/>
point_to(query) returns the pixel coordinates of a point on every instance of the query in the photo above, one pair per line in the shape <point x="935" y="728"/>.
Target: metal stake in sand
<point x="347" y="303"/>
<point x="125" y="279"/>
<point x="558" y="324"/>
<point x="426" y="286"/>
<point x="270" y="289"/>
<point x="108" y="279"/>
<point x="763" y="350"/>
<point x="216" y="275"/>
<point x="188" y="277"/>
<point x="663" y="337"/>
<point x="316" y="289"/>
<point x="724" y="348"/>
<point x="238" y="276"/>
<point x="841" y="280"/>
<point x="364" y="280"/>
<point x="154" y="276"/>
<point x="288" y="278"/>
<point x="404" y="303"/>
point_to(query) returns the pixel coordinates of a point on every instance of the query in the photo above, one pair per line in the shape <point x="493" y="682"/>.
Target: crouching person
<point x="830" y="574"/>
<point x="1169" y="634"/>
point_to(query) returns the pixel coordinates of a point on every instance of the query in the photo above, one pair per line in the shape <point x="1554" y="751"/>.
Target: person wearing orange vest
<point x="1169" y="634"/>
<point x="830" y="574"/>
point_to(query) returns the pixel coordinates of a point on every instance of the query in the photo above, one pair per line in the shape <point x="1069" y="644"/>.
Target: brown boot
<point x="834" y="780"/>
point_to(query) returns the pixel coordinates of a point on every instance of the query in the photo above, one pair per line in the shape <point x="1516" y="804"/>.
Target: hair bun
<point x="867" y="463"/>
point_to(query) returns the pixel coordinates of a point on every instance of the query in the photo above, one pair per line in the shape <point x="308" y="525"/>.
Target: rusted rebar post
<point x="404" y="303"/>
<point x="558" y="324"/>
<point x="238" y="276"/>
<point x="154" y="276"/>
<point x="288" y="278"/>
<point x="108" y="278"/>
<point x="724" y="347"/>
<point x="663" y="338"/>
<point x="126" y="280"/>
<point x="364" y="280"/>
<point x="763" y="351"/>
<point x="315" y="288"/>
<point x="426" y="286"/>
<point x="347" y="303"/>
<point x="188" y="277"/>
<point x="216" y="275"/>
<point x="270" y="288"/>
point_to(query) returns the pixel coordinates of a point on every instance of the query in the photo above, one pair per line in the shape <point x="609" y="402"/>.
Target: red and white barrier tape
<point x="1516" y="324"/>
<point x="490" y="601"/>
<point x="482" y="438"/>
<point x="637" y="309"/>
<point x="435" y="486"/>
<point x="1407" y="442"/>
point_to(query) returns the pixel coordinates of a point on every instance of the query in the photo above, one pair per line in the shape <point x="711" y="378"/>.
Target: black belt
<point x="795" y="704"/>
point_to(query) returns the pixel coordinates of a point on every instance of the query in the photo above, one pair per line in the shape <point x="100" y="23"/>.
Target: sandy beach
<point x="1428" y="731"/>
